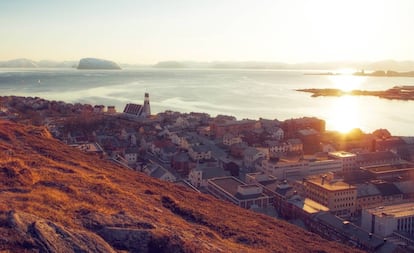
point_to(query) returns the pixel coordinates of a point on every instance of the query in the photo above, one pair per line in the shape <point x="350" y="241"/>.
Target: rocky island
<point x="94" y="63"/>
<point x="388" y="73"/>
<point x="397" y="93"/>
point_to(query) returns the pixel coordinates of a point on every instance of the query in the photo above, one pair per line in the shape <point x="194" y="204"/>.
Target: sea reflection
<point x="347" y="82"/>
<point x="345" y="114"/>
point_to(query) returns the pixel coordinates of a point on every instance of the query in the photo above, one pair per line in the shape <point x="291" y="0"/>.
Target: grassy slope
<point x="42" y="176"/>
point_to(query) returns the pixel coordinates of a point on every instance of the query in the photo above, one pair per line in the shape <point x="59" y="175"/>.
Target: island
<point x="94" y="63"/>
<point x="397" y="92"/>
<point x="388" y="73"/>
<point x="18" y="63"/>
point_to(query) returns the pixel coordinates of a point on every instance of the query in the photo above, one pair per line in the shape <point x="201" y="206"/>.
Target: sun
<point x="346" y="81"/>
<point x="344" y="114"/>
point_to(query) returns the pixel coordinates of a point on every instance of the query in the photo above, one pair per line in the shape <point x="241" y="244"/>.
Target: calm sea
<point x="243" y="93"/>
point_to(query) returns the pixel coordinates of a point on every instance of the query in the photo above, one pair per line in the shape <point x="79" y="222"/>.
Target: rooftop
<point x="231" y="186"/>
<point x="387" y="168"/>
<point x="349" y="229"/>
<point x="397" y="210"/>
<point x="332" y="185"/>
<point x="342" y="154"/>
<point x="365" y="190"/>
<point x="308" y="205"/>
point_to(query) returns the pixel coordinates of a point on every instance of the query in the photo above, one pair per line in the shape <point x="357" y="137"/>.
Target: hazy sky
<point x="133" y="31"/>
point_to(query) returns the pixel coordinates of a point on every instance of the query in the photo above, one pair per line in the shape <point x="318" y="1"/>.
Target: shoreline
<point x="405" y="93"/>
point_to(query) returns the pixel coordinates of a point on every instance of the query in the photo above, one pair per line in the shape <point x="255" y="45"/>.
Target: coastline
<point x="396" y="93"/>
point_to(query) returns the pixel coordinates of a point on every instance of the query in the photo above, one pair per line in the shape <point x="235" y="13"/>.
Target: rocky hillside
<point x="54" y="198"/>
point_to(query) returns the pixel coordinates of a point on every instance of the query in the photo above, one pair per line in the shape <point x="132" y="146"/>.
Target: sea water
<point x="244" y="93"/>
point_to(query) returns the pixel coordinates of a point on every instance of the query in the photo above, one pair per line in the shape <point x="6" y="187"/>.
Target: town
<point x="355" y="188"/>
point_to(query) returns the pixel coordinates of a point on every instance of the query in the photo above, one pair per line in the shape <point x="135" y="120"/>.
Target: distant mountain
<point x="94" y="63"/>
<point x="55" y="198"/>
<point x="19" y="63"/>
<point x="57" y="64"/>
<point x="386" y="65"/>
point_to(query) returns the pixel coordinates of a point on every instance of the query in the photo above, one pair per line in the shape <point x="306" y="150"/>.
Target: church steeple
<point x="147" y="109"/>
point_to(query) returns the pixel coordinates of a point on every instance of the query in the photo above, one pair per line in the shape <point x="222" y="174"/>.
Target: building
<point x="159" y="172"/>
<point x="348" y="160"/>
<point x="287" y="169"/>
<point x="230" y="139"/>
<point x="337" y="195"/>
<point x="239" y="193"/>
<point x="368" y="196"/>
<point x="131" y="155"/>
<point x="292" y="126"/>
<point x="385" y="220"/>
<point x="334" y="228"/>
<point x="111" y="109"/>
<point x="180" y="162"/>
<point x="389" y="172"/>
<point x="200" y="152"/>
<point x="311" y="140"/>
<point x="136" y="110"/>
<point x="219" y="129"/>
<point x="251" y="155"/>
<point x="99" y="109"/>
<point x="199" y="175"/>
<point x="377" y="158"/>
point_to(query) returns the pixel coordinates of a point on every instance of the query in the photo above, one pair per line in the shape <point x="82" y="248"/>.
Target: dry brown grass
<point x="44" y="177"/>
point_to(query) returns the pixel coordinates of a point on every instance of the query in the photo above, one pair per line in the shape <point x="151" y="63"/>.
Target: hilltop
<point x="54" y="198"/>
<point x="94" y="63"/>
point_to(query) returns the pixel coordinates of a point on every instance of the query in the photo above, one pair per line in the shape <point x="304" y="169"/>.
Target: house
<point x="157" y="145"/>
<point x="311" y="140"/>
<point x="99" y="109"/>
<point x="199" y="175"/>
<point x="200" y="152"/>
<point x="177" y="138"/>
<point x="251" y="155"/>
<point x="296" y="145"/>
<point x="181" y="163"/>
<point x="131" y="155"/>
<point x="292" y="126"/>
<point x="167" y="153"/>
<point x="230" y="139"/>
<point x="220" y="128"/>
<point x="276" y="133"/>
<point x="181" y="122"/>
<point x="237" y="150"/>
<point x="159" y="172"/>
<point x="111" y="109"/>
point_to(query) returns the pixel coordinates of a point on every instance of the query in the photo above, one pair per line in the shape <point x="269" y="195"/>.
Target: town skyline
<point x="148" y="32"/>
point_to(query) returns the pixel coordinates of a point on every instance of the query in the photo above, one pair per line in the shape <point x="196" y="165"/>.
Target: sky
<point x="140" y="31"/>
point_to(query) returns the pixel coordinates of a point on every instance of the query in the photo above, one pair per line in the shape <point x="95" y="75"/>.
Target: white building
<point x="198" y="176"/>
<point x="348" y="159"/>
<point x="385" y="220"/>
<point x="299" y="169"/>
<point x="131" y="155"/>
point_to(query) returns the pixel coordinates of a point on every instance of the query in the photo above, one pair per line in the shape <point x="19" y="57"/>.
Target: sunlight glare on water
<point x="346" y="81"/>
<point x="344" y="114"/>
